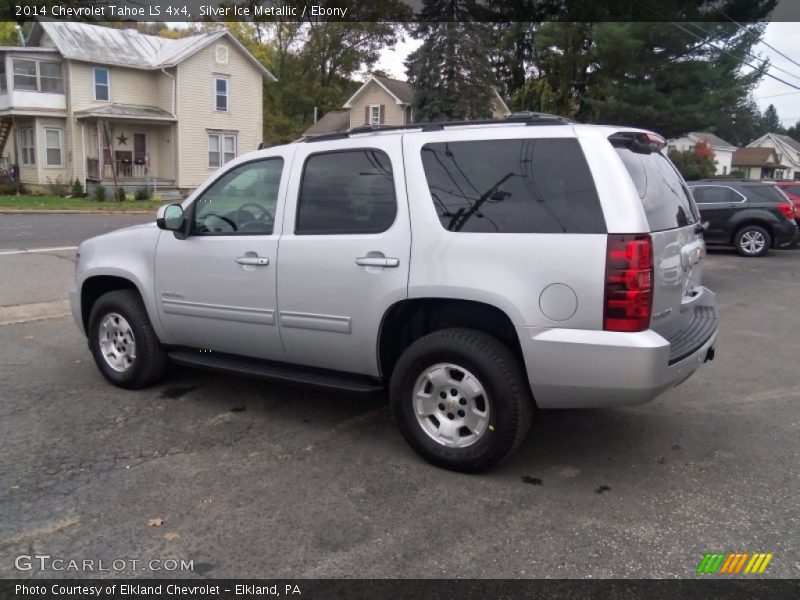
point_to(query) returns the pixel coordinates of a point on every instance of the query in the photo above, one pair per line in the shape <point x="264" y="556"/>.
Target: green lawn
<point x="86" y="204"/>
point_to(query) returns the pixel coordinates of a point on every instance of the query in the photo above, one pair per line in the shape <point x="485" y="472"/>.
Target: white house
<point x="787" y="152"/>
<point x="723" y="151"/>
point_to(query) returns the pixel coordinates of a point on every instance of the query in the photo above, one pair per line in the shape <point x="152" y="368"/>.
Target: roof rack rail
<point x="528" y="118"/>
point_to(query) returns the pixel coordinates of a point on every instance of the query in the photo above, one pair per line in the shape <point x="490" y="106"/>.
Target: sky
<point x="784" y="36"/>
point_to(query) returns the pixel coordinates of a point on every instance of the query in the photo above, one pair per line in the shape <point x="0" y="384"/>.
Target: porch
<point x="128" y="146"/>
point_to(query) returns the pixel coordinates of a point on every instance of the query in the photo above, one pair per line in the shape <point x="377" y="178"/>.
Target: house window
<point x="38" y="76"/>
<point x="724" y="170"/>
<point x="102" y="84"/>
<point x="52" y="147"/>
<point x="50" y="79"/>
<point x="221" y="149"/>
<point x="25" y="75"/>
<point x="3" y="84"/>
<point x="221" y="93"/>
<point x="27" y="146"/>
<point x="375" y="115"/>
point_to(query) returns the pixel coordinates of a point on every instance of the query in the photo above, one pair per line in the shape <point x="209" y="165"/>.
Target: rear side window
<point x="765" y="193"/>
<point x="346" y="192"/>
<point x="664" y="196"/>
<point x="714" y="194"/>
<point x="513" y="186"/>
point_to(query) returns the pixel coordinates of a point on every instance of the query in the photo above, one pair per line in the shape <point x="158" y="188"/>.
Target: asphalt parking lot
<point x="253" y="479"/>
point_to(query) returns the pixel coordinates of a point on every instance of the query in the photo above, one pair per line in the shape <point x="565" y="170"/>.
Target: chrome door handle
<point x="377" y="261"/>
<point x="255" y="261"/>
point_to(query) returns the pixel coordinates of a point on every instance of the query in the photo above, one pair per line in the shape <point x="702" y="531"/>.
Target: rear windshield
<point x="765" y="193"/>
<point x="665" y="198"/>
<point x="513" y="186"/>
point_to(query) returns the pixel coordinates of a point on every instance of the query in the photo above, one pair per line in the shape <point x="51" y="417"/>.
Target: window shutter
<point x="366" y="115"/>
<point x="383" y="113"/>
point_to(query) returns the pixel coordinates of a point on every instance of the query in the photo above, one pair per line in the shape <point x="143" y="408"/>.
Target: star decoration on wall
<point x="123" y="141"/>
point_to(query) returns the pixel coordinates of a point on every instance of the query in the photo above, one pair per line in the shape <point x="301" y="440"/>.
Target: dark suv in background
<point x="753" y="216"/>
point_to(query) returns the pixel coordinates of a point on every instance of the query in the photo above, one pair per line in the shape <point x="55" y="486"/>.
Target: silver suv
<point x="477" y="270"/>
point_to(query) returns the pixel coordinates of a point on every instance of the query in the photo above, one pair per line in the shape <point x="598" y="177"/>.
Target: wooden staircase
<point x="5" y="133"/>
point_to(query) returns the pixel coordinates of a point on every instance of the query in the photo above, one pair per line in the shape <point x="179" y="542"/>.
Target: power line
<point x="739" y="58"/>
<point x="754" y="57"/>
<point x="783" y="81"/>
<point x="775" y="95"/>
<point x="740" y="26"/>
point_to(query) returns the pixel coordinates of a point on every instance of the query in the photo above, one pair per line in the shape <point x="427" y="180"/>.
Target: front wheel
<point x="752" y="241"/>
<point x="123" y="343"/>
<point x="460" y="399"/>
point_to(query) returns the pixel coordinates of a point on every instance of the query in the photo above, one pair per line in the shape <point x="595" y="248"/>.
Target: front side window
<point x="351" y="191"/>
<point x="221" y="149"/>
<point x="513" y="186"/>
<point x="52" y="146"/>
<point x="221" y="94"/>
<point x="242" y="201"/>
<point x="25" y="75"/>
<point x="27" y="146"/>
<point x="102" y="84"/>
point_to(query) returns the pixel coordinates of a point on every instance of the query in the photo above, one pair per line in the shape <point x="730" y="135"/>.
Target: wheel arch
<point x="95" y="286"/>
<point x="759" y="222"/>
<point x="408" y="320"/>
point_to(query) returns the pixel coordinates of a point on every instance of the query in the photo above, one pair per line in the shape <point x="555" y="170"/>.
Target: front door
<point x="140" y="153"/>
<point x="215" y="289"/>
<point x="344" y="252"/>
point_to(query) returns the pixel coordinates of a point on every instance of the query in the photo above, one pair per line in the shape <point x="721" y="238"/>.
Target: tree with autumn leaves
<point x="696" y="163"/>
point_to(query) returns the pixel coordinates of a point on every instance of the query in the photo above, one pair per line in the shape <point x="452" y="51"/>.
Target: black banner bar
<point x="410" y="589"/>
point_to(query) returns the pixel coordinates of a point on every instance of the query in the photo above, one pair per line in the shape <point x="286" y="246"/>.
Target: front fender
<point x="126" y="254"/>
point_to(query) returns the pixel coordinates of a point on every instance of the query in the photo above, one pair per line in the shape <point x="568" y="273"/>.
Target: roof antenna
<point x="18" y="27"/>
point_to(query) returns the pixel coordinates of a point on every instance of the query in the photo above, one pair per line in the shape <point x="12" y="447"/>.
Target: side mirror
<point x="171" y="218"/>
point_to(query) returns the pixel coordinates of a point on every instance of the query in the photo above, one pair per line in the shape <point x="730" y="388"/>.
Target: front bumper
<point x="75" y="306"/>
<point x="576" y="368"/>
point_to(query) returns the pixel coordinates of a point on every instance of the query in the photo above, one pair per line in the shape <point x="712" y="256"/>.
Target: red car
<point x="792" y="191"/>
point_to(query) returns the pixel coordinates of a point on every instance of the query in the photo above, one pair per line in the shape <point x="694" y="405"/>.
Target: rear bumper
<point x="575" y="368"/>
<point x="788" y="236"/>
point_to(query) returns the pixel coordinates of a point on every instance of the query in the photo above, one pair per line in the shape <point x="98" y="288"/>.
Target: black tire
<point x="739" y="240"/>
<point x="150" y="362"/>
<point x="498" y="371"/>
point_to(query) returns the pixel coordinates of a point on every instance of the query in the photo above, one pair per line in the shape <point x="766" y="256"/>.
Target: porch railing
<point x="126" y="169"/>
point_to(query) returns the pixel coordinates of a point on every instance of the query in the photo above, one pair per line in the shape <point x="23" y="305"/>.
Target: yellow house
<point x="105" y="105"/>
<point x="382" y="101"/>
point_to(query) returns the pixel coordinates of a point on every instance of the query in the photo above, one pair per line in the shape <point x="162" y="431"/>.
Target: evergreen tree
<point x="770" y="122"/>
<point x="450" y="71"/>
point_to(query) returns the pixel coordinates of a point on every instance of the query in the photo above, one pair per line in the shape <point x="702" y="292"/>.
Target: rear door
<point x="678" y="247"/>
<point x="344" y="253"/>
<point x="717" y="203"/>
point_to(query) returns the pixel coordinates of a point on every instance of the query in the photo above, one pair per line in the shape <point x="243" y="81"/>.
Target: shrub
<point x="77" y="189"/>
<point x="120" y="194"/>
<point x="56" y="186"/>
<point x="143" y="193"/>
<point x="100" y="193"/>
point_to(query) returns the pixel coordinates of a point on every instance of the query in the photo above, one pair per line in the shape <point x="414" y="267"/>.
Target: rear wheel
<point x="123" y="343"/>
<point x="460" y="399"/>
<point x="752" y="240"/>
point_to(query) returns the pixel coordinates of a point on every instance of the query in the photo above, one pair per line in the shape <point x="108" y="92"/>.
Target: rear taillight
<point x="787" y="208"/>
<point x="629" y="283"/>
